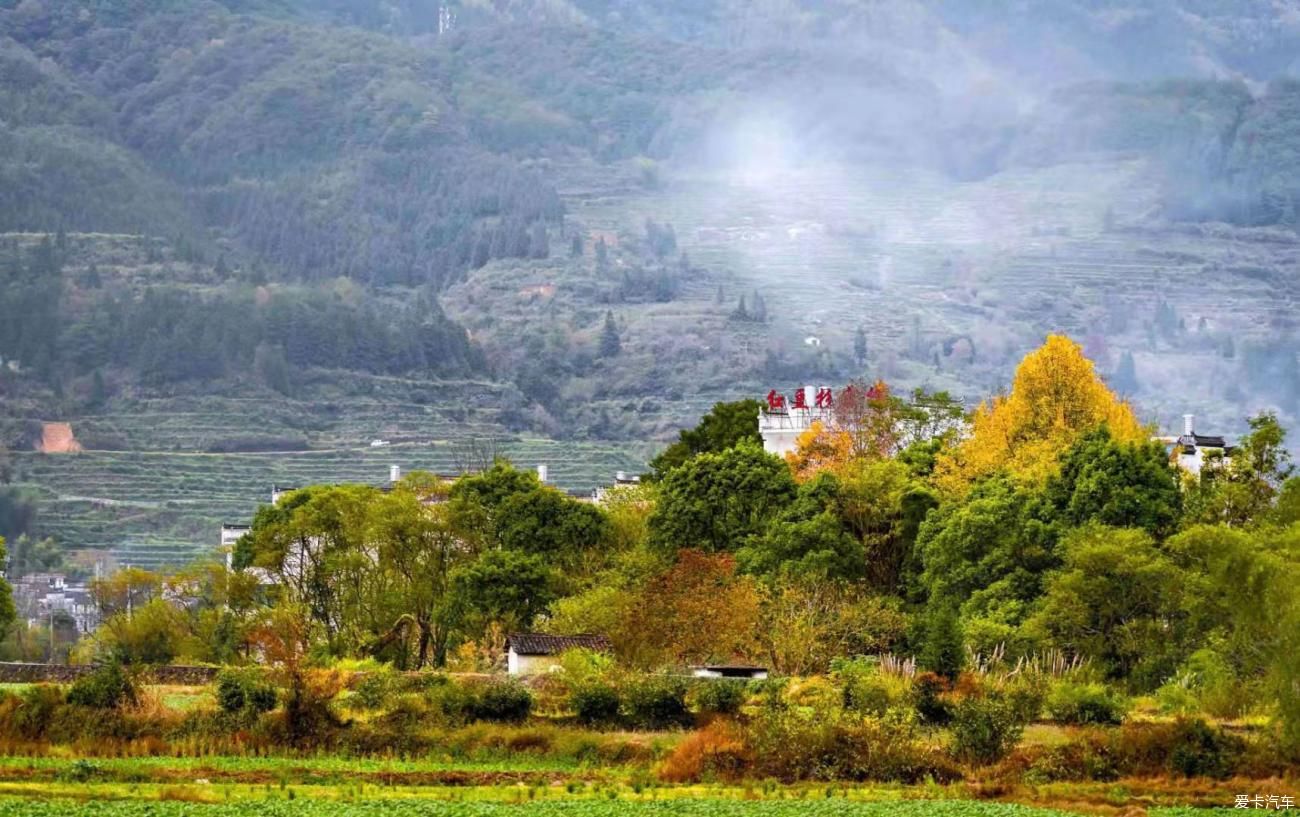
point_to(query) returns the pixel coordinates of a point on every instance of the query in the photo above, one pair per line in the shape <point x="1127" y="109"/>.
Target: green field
<point x="605" y="806"/>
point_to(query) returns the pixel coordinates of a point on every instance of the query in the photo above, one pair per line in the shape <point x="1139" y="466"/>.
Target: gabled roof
<point x="544" y="644"/>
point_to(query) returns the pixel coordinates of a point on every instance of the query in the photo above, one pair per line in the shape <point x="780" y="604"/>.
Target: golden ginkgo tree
<point x="1055" y="397"/>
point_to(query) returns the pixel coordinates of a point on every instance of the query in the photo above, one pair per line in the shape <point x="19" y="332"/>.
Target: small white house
<point x="730" y="671"/>
<point x="533" y="653"/>
<point x="1191" y="450"/>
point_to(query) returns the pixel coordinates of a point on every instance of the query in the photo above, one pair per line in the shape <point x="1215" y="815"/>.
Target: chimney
<point x="1189" y="424"/>
<point x="394" y="474"/>
<point x="541" y="473"/>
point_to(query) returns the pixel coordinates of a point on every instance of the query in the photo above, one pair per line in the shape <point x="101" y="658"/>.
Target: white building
<point x="533" y="653"/>
<point x="781" y="424"/>
<point x="730" y="671"/>
<point x="1190" y="451"/>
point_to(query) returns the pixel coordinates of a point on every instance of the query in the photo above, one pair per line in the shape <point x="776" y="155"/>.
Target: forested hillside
<point x="324" y="222"/>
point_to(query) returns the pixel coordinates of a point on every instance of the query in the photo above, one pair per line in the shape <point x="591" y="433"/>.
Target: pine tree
<point x="741" y="312"/>
<point x="602" y="254"/>
<point x="720" y="297"/>
<point x="575" y="246"/>
<point x="610" y="345"/>
<point x="860" y="347"/>
<point x="1125" y="379"/>
<point x="943" y="653"/>
<point x="760" y="308"/>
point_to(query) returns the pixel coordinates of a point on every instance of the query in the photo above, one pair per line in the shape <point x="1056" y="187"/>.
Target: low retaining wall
<point x="15" y="673"/>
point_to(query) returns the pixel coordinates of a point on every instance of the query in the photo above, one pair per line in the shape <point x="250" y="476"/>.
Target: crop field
<point x="568" y="808"/>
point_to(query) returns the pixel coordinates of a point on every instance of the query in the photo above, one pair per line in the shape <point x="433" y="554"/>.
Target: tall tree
<point x="1055" y="397"/>
<point x="860" y="346"/>
<point x="715" y="502"/>
<point x="725" y="426"/>
<point x="610" y="345"/>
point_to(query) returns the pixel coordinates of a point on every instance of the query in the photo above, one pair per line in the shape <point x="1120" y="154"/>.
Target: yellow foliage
<point x="864" y="426"/>
<point x="1055" y="397"/>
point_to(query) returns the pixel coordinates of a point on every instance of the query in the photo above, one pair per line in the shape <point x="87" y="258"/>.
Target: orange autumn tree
<point x="863" y="425"/>
<point x="1055" y="397"/>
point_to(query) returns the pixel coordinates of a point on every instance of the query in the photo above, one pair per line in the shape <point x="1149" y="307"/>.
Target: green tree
<point x="1125" y="380"/>
<point x="418" y="548"/>
<point x="725" y="426"/>
<point x="610" y="345"/>
<point x="808" y="539"/>
<point x="1123" y="485"/>
<point x="546" y="522"/>
<point x="1119" y="600"/>
<point x="942" y="649"/>
<point x="503" y="587"/>
<point x="860" y="347"/>
<point x="716" y="501"/>
<point x="8" y="613"/>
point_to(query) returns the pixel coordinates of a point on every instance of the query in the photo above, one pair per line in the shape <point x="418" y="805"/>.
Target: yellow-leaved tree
<point x="1055" y="397"/>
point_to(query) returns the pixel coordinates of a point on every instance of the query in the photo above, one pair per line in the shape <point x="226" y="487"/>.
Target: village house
<point x="534" y="653"/>
<point x="1191" y="451"/>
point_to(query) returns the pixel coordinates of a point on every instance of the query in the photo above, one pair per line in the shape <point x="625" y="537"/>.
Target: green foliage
<point x="720" y="696"/>
<point x="1111" y="483"/>
<point x="503" y="701"/>
<point x="1118" y="599"/>
<point x="504" y="586"/>
<point x="595" y="703"/>
<point x="929" y="691"/>
<point x="1086" y="703"/>
<point x="808" y="538"/>
<point x="36" y="710"/>
<point x="244" y="691"/>
<point x="715" y="502"/>
<point x="725" y="426"/>
<point x="107" y="687"/>
<point x="548" y="523"/>
<point x="656" y="702"/>
<point x="1200" y="750"/>
<point x="942" y="651"/>
<point x="985" y="728"/>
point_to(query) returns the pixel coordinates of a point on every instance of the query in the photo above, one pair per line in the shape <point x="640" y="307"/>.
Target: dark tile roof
<point x="543" y="644"/>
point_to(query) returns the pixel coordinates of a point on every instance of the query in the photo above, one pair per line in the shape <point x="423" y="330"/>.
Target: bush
<point x="656" y="702"/>
<point x="452" y="701"/>
<point x="715" y="752"/>
<point x="108" y="687"/>
<point x="244" y="691"/>
<point x="36" y="710"/>
<point x="928" y="697"/>
<point x="722" y="696"/>
<point x="595" y="704"/>
<point x="375" y="690"/>
<point x="1078" y="703"/>
<point x="505" y="701"/>
<point x="866" y="689"/>
<point x="1199" y="750"/>
<point x="985" y="729"/>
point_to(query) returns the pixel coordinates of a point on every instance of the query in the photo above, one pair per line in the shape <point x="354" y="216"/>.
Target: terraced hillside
<point x="156" y="508"/>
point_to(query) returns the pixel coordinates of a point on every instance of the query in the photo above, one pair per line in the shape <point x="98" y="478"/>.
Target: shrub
<point x="244" y="691"/>
<point x="722" y="696"/>
<point x="452" y="701"/>
<point x="107" y="687"/>
<point x="715" y="752"/>
<point x="1199" y="750"/>
<point x="375" y="690"/>
<point x="36" y="710"/>
<point x="1026" y="697"/>
<point x="506" y="701"/>
<point x="656" y="702"/>
<point x="1084" y="703"/>
<point x="595" y="703"/>
<point x="1187" y="747"/>
<point x="928" y="698"/>
<point x="985" y="729"/>
<point x="866" y="689"/>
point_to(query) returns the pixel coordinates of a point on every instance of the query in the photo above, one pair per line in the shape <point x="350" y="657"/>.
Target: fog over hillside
<point x="264" y="233"/>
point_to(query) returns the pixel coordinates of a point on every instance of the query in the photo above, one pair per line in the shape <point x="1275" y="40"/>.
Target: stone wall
<point x="15" y="673"/>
